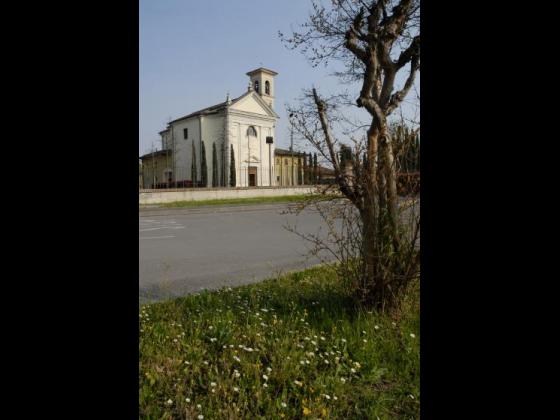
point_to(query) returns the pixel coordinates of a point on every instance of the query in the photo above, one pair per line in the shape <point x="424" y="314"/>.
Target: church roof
<point x="264" y="70"/>
<point x="208" y="110"/>
<point x="215" y="108"/>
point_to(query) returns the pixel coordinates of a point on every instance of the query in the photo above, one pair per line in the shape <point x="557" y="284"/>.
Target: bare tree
<point x="375" y="41"/>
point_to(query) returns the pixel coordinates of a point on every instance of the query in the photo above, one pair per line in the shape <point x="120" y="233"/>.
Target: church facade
<point x="228" y="144"/>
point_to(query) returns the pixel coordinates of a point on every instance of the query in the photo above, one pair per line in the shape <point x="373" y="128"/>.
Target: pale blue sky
<point x="193" y="52"/>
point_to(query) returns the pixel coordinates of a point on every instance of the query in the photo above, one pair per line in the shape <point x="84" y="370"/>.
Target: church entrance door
<point x="252" y="176"/>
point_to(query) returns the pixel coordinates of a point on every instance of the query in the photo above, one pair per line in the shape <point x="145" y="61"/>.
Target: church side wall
<point x="183" y="148"/>
<point x="213" y="132"/>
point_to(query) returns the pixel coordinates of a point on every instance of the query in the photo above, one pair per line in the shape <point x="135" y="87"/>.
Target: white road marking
<point x="158" y="237"/>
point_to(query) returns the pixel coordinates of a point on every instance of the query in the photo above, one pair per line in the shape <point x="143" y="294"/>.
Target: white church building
<point x="241" y="130"/>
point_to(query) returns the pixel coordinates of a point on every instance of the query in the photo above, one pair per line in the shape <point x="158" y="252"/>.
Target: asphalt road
<point x="186" y="250"/>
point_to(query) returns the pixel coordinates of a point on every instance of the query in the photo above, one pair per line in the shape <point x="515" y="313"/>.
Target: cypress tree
<point x="232" y="180"/>
<point x="214" y="166"/>
<point x="305" y="170"/>
<point x="315" y="169"/>
<point x="203" y="167"/>
<point x="193" y="166"/>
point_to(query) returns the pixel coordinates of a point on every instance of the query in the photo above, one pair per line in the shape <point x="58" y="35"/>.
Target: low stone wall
<point x="199" y="194"/>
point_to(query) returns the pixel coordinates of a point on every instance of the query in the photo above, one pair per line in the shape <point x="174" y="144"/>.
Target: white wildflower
<point x="169" y="401"/>
<point x="328" y="397"/>
<point x="284" y="405"/>
<point x="212" y="384"/>
<point x="188" y="400"/>
<point x="412" y="335"/>
<point x="265" y="377"/>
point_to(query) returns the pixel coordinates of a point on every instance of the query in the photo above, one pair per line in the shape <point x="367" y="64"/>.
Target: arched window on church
<point x="267" y="87"/>
<point x="251" y="131"/>
<point x="257" y="86"/>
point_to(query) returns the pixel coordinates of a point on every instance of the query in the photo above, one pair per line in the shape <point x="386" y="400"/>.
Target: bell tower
<point x="262" y="81"/>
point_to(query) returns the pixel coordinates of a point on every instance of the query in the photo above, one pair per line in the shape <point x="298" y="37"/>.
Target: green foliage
<point x="407" y="148"/>
<point x="287" y="348"/>
<point x="227" y="201"/>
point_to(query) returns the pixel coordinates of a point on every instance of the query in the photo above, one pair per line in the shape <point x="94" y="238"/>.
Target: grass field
<point x="291" y="348"/>
<point x="256" y="200"/>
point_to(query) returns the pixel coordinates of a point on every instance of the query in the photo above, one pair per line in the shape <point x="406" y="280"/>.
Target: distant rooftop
<point x="284" y="152"/>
